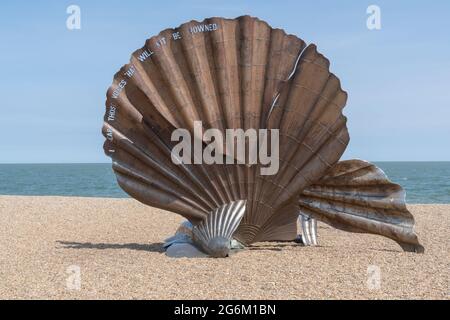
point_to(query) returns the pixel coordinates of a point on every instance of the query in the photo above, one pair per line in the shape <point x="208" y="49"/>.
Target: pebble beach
<point x="105" y="248"/>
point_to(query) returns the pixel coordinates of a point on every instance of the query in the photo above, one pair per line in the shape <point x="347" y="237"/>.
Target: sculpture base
<point x="211" y="237"/>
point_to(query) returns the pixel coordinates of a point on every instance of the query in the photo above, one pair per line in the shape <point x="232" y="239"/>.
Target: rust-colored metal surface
<point x="242" y="74"/>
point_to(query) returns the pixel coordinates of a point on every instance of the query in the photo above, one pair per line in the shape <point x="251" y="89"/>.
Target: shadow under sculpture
<point x="242" y="74"/>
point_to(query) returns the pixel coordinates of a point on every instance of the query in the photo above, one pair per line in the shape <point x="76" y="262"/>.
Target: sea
<point x="424" y="182"/>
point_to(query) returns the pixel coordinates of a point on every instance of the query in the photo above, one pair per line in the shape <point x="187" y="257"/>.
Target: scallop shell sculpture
<point x="242" y="74"/>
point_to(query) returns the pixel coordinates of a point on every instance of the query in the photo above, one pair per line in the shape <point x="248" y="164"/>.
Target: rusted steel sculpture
<point x="242" y="74"/>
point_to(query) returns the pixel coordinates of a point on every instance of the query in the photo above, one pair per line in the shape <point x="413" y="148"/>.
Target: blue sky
<point x="54" y="80"/>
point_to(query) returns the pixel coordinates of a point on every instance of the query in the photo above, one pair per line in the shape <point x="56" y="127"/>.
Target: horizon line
<point x="8" y="163"/>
